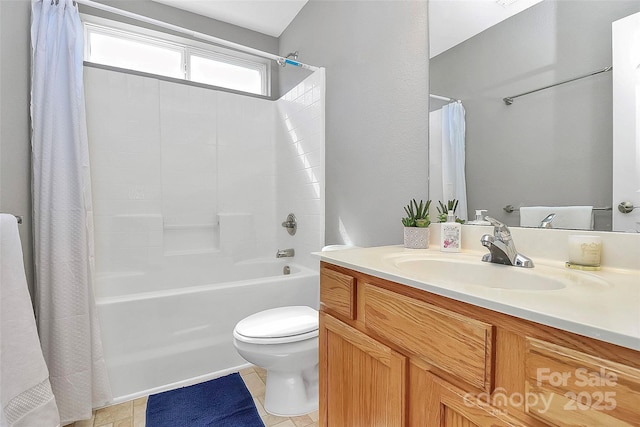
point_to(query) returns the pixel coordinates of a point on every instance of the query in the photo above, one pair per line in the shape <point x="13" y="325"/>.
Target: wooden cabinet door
<point x="362" y="382"/>
<point x="448" y="406"/>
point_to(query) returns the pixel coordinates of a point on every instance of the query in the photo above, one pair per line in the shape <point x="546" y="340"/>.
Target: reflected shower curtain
<point x="454" y="185"/>
<point x="63" y="219"/>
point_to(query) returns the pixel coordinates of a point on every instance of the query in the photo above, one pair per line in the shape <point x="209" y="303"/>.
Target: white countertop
<point x="608" y="311"/>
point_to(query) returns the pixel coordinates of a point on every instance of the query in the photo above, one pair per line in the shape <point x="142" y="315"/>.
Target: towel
<point x="25" y="391"/>
<point x="570" y="217"/>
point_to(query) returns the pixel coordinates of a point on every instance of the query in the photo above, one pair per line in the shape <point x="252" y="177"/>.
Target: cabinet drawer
<point x="455" y="344"/>
<point x="566" y="388"/>
<point x="337" y="292"/>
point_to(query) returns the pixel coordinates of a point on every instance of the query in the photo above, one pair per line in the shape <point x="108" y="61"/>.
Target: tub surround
<point x="608" y="312"/>
<point x="182" y="257"/>
<point x="250" y="162"/>
<point x="430" y="352"/>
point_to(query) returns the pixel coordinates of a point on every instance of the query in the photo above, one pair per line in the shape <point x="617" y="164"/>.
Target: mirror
<point x="549" y="148"/>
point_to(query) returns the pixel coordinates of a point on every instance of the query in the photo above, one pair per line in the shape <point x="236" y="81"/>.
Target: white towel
<point x="25" y="391"/>
<point x="570" y="217"/>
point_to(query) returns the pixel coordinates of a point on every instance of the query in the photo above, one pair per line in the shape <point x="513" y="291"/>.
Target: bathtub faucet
<point x="285" y="253"/>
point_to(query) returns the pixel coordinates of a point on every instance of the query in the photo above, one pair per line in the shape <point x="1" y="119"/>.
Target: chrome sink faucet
<point x="546" y="222"/>
<point x="502" y="250"/>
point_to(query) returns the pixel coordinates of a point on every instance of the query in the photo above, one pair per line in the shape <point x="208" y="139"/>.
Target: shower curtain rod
<point x="509" y="99"/>
<point x="221" y="42"/>
<point x="443" y="98"/>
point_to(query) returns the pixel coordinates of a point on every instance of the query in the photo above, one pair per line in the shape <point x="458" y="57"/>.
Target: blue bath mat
<point x="223" y="402"/>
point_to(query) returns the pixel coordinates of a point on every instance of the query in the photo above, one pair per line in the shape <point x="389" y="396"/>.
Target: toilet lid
<point x="279" y="322"/>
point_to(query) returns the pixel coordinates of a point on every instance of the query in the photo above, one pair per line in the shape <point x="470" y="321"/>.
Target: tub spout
<point x="285" y="253"/>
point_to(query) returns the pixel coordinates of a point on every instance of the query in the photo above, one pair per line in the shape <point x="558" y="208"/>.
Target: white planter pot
<point x="416" y="237"/>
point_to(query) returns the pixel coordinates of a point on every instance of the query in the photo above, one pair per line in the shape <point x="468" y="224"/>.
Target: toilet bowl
<point x="284" y="341"/>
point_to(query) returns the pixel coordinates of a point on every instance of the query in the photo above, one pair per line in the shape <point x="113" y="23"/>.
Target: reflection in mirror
<point x="549" y="148"/>
<point x="626" y="122"/>
<point x="446" y="156"/>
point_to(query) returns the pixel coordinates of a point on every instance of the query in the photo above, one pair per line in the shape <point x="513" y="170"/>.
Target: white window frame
<point x="261" y="67"/>
<point x="127" y="35"/>
<point x="187" y="47"/>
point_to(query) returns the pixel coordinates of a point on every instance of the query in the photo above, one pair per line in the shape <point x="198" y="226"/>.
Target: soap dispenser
<point x="479" y="218"/>
<point x="450" y="234"/>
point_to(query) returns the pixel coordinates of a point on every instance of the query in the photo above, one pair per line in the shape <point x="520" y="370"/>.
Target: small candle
<point x="585" y="250"/>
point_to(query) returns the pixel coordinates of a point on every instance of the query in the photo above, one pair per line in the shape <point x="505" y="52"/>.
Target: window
<point x="158" y="53"/>
<point x="124" y="50"/>
<point x="232" y="74"/>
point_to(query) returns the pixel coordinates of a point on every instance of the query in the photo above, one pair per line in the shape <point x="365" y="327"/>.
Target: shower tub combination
<point x="157" y="340"/>
<point x="188" y="184"/>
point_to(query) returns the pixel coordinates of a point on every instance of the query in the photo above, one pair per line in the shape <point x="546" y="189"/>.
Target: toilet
<point x="284" y="341"/>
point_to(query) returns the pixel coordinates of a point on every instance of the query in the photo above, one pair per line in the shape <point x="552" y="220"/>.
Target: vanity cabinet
<point x="393" y="355"/>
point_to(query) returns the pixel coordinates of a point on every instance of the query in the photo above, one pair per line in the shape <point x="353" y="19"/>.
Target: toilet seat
<point x="278" y="326"/>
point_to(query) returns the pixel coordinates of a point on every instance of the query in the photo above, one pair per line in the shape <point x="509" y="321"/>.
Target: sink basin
<point x="471" y="272"/>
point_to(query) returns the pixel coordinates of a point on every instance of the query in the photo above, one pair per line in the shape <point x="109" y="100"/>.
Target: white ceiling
<point x="450" y="21"/>
<point x="453" y="21"/>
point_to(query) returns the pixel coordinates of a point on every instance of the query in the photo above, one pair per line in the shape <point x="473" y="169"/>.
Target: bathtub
<point x="157" y="338"/>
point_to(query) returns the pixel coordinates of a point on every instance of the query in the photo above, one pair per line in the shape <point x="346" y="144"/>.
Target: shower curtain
<point x="454" y="185"/>
<point x="63" y="220"/>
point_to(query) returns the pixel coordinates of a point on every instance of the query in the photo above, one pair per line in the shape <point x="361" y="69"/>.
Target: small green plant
<point x="417" y="214"/>
<point x="443" y="210"/>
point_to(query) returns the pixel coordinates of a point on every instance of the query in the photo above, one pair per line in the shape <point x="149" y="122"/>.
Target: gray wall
<point x="553" y="147"/>
<point x="15" y="145"/>
<point x="376" y="60"/>
<point x="0" y="117"/>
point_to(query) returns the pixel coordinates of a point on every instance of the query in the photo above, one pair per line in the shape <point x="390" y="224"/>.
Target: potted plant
<point x="443" y="210"/>
<point x="416" y="224"/>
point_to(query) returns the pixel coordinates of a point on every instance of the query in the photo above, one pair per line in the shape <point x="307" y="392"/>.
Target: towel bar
<point x="511" y="209"/>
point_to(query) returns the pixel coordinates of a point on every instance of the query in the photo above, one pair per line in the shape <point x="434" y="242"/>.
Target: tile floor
<point x="132" y="413"/>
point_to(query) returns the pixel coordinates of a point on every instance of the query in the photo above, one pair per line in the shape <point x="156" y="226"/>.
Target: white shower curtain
<point x="63" y="219"/>
<point x="454" y="185"/>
